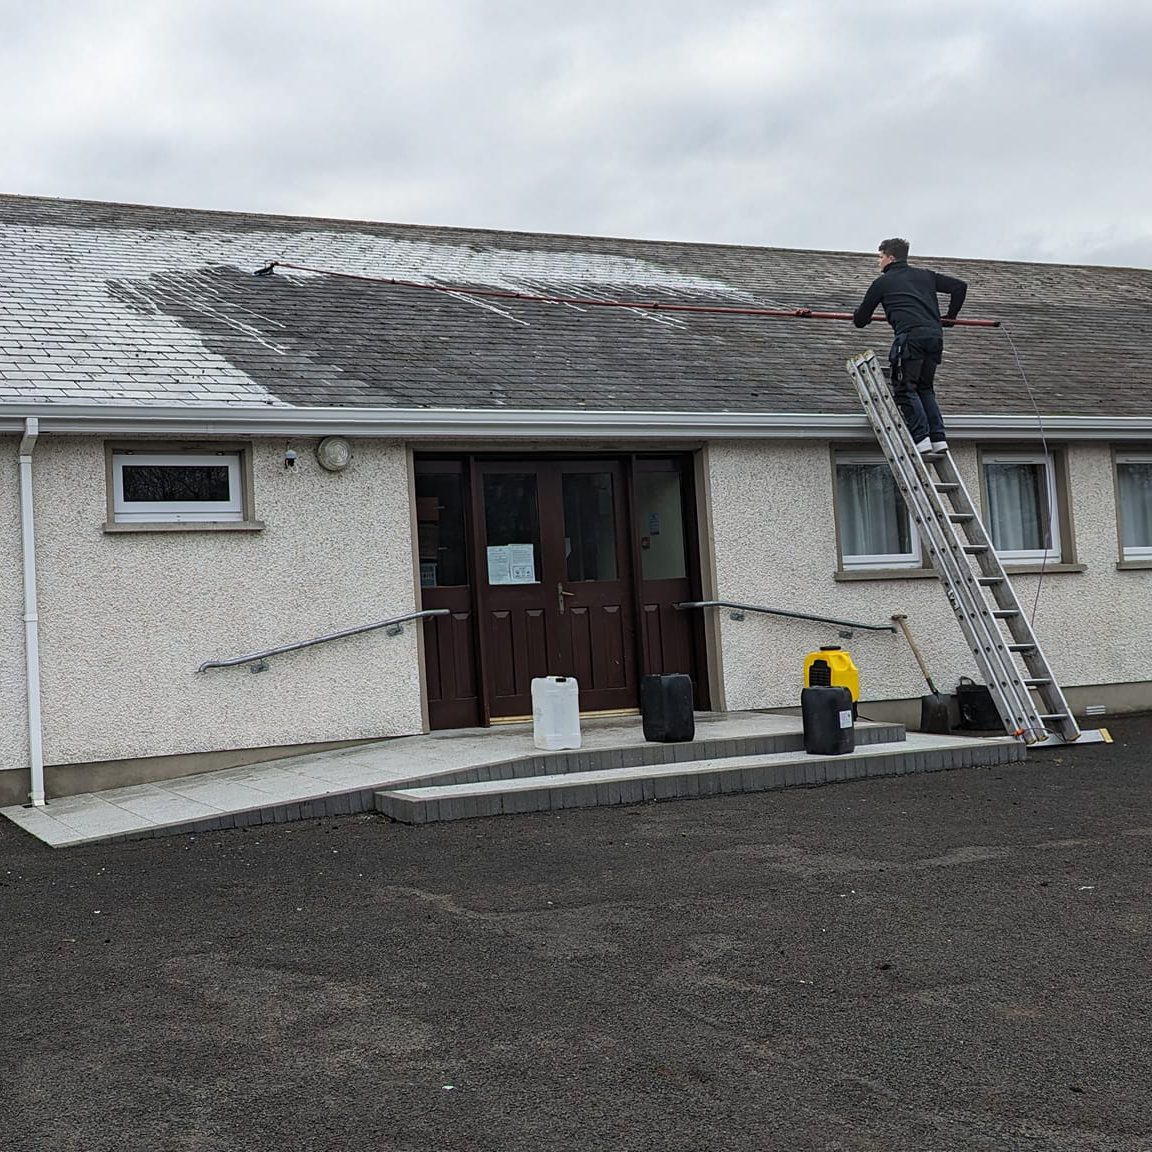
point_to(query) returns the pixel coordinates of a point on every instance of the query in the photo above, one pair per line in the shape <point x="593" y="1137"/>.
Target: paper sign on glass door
<point x="511" y="564"/>
<point x="522" y="563"/>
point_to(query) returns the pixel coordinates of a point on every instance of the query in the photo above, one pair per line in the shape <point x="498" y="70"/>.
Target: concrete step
<point x="646" y="755"/>
<point x="689" y="778"/>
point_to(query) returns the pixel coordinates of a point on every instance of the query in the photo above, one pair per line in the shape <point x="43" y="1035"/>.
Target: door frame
<point x="470" y="462"/>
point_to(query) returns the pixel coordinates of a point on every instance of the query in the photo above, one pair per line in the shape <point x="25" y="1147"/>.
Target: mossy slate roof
<point x="112" y="303"/>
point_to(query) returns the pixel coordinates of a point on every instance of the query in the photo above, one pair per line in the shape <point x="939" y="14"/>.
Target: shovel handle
<point x="901" y="623"/>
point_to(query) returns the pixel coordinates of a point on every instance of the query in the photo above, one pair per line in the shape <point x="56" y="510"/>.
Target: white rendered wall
<point x="774" y="544"/>
<point x="127" y="618"/>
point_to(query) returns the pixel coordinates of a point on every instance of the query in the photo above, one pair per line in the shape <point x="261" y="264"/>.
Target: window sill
<point x="850" y="574"/>
<point x="173" y="526"/>
<point x="1035" y="568"/>
<point x="1124" y="564"/>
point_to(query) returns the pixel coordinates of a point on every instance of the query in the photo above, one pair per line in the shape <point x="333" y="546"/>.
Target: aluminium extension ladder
<point x="982" y="598"/>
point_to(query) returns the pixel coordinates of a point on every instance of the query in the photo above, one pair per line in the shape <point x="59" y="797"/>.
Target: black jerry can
<point x="666" y="708"/>
<point x="829" y="728"/>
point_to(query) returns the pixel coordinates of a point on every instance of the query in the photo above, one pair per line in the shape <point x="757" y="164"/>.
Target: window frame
<point x="237" y="513"/>
<point x="873" y="563"/>
<point x="1058" y="518"/>
<point x="1137" y="554"/>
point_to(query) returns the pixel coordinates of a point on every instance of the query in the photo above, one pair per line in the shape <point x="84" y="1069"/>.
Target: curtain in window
<point x="1018" y="505"/>
<point x="1136" y="504"/>
<point x="873" y="521"/>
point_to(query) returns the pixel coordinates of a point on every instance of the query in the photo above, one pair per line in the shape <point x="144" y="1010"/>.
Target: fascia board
<point x="1035" y="427"/>
<point x="424" y="423"/>
<point x="467" y="423"/>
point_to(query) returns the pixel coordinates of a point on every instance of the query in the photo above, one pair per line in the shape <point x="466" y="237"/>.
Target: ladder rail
<point x="1041" y="680"/>
<point x="951" y="558"/>
<point x="937" y="530"/>
<point x="914" y="482"/>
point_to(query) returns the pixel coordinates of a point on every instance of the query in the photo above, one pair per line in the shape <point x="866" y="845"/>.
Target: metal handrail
<point x="396" y="622"/>
<point x="781" y="612"/>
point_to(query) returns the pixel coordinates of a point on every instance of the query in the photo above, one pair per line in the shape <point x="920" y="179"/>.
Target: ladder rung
<point x="944" y="487"/>
<point x="1055" y="716"/>
<point x="1006" y="613"/>
<point x="1021" y="647"/>
<point x="1038" y="681"/>
<point x="975" y="549"/>
<point x="988" y="581"/>
<point x="960" y="517"/>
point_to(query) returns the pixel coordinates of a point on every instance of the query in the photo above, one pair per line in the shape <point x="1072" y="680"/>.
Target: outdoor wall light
<point x="290" y="458"/>
<point x="334" y="453"/>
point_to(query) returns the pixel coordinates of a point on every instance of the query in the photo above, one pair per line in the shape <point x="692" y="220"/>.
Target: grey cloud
<point x="1000" y="131"/>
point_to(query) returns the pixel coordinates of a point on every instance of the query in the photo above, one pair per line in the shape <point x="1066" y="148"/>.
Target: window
<point x="176" y="487"/>
<point x="440" y="525"/>
<point x="660" y="520"/>
<point x="1023" y="513"/>
<point x="512" y="527"/>
<point x="1134" y="496"/>
<point x="875" y="529"/>
<point x="589" y="525"/>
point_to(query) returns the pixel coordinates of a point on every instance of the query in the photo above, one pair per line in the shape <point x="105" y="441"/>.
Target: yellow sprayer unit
<point x="832" y="666"/>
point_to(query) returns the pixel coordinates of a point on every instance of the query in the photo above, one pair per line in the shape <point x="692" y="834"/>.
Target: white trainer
<point x="924" y="445"/>
<point x="939" y="445"/>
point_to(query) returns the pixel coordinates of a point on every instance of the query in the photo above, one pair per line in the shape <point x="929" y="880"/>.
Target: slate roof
<point x="112" y="303"/>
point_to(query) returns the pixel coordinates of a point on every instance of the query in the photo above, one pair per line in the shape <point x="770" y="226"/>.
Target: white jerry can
<point x="556" y="712"/>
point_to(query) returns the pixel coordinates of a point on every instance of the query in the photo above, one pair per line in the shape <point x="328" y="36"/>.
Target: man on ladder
<point x="909" y="298"/>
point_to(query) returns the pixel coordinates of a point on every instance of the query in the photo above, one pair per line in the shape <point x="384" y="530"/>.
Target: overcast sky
<point x="999" y="129"/>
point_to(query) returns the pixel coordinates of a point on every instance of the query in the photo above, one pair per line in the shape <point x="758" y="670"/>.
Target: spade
<point x="934" y="706"/>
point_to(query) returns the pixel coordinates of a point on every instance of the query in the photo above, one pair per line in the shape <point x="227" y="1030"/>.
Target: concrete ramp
<point x="496" y="771"/>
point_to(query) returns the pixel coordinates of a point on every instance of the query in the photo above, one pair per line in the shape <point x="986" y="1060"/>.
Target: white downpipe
<point x="31" y="618"/>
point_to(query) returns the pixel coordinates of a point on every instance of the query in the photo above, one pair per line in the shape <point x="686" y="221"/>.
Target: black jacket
<point x="909" y="298"/>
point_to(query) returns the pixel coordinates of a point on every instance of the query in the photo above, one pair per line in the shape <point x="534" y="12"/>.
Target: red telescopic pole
<point x="586" y="302"/>
<point x="804" y="314"/>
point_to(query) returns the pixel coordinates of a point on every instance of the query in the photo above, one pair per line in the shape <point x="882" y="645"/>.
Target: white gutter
<point x="31" y="617"/>
<point x="534" y="424"/>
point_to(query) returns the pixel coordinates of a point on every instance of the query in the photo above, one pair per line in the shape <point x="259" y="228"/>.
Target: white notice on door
<point x="511" y="564"/>
<point x="522" y="564"/>
<point x="846" y="719"/>
<point x="499" y="570"/>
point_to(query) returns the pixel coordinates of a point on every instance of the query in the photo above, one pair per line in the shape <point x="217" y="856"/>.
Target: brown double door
<point x="556" y="586"/>
<point x="553" y="567"/>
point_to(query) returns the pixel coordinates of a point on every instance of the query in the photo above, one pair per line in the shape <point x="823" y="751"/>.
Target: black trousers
<point x="914" y="363"/>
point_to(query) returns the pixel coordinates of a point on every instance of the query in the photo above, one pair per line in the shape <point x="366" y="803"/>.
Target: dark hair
<point x="896" y="248"/>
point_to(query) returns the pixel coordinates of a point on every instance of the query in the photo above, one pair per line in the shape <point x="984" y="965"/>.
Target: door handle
<point x="560" y="594"/>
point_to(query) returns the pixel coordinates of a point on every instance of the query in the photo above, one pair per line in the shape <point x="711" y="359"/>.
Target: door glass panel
<point x="660" y="525"/>
<point x="512" y="528"/>
<point x="589" y="526"/>
<point x="440" y="529"/>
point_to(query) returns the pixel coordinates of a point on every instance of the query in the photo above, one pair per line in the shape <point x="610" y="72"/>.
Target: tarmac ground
<point x="911" y="964"/>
